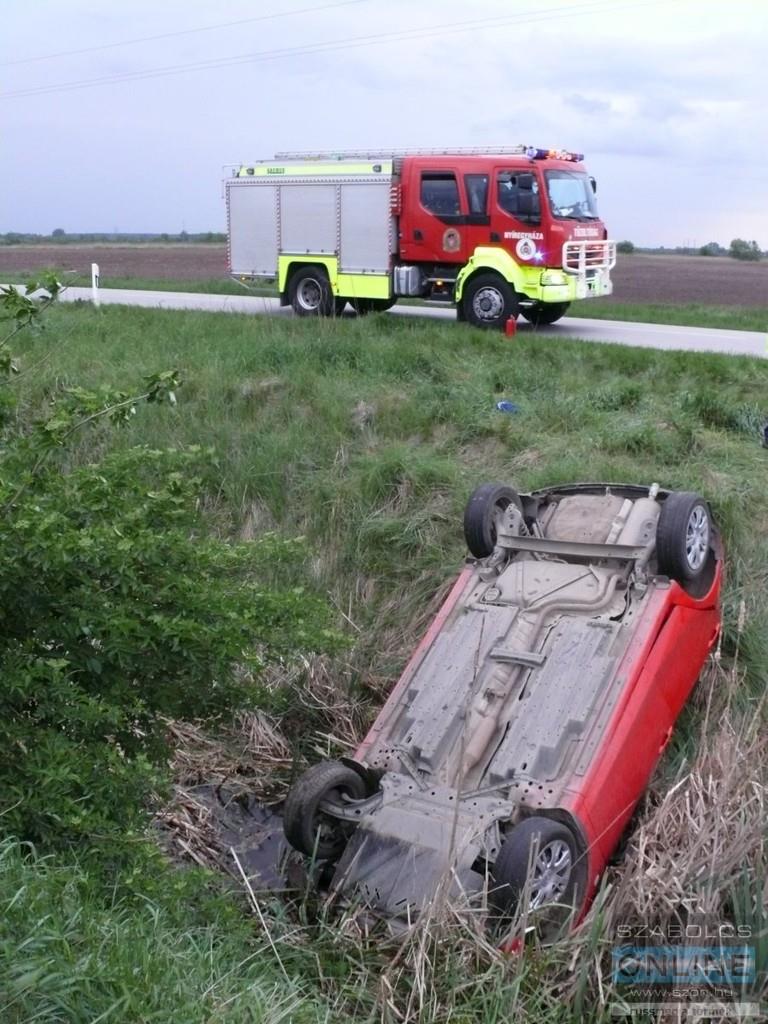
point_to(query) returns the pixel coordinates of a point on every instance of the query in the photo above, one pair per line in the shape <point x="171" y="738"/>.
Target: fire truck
<point x="497" y="232"/>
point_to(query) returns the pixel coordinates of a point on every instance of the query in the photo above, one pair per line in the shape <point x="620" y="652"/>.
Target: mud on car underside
<point x="470" y="774"/>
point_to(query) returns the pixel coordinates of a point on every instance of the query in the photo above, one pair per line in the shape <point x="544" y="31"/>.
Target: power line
<point x="180" y="32"/>
<point x="354" y="42"/>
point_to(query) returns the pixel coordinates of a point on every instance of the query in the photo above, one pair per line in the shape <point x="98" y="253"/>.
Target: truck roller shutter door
<point x="253" y="229"/>
<point x="366" y="228"/>
<point x="308" y="218"/>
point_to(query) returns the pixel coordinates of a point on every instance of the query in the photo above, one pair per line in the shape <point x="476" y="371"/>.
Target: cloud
<point x="664" y="99"/>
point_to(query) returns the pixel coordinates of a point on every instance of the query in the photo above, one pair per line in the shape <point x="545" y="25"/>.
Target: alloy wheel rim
<point x="551" y="873"/>
<point x="697" y="537"/>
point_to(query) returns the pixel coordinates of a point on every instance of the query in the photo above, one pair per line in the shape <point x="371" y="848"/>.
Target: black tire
<point x="550" y="849"/>
<point x="488" y="301"/>
<point x="309" y="292"/>
<point x="683" y="537"/>
<point x="365" y="306"/>
<point x="480" y="513"/>
<point x="541" y="313"/>
<point x="306" y="828"/>
<point x="339" y="305"/>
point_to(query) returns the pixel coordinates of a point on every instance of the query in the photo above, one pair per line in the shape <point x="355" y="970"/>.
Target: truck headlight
<point x="553" y="277"/>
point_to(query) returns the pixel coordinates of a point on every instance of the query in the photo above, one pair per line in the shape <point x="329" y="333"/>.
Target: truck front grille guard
<point x="583" y="258"/>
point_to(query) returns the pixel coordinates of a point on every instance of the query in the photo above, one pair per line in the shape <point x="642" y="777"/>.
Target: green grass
<point x="366" y="436"/>
<point x="277" y="401"/>
<point x="691" y="314"/>
<point x="209" y="286"/>
<point x="71" y="951"/>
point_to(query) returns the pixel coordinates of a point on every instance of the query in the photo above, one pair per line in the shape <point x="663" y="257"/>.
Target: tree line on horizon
<point x="61" y="237"/>
<point x="739" y="249"/>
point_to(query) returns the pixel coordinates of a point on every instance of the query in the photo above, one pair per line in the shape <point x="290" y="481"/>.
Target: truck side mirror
<point x="593" y="183"/>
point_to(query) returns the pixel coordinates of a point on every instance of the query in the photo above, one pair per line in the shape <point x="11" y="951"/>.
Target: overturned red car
<point x="510" y="755"/>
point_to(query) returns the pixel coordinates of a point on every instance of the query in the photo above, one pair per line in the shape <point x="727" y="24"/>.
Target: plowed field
<point x="716" y="281"/>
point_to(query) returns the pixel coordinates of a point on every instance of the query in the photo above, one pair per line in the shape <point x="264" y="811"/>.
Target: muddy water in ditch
<point x="241" y="825"/>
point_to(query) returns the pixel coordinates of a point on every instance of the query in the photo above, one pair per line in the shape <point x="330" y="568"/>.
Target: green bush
<point x="626" y="247"/>
<point x="743" y="250"/>
<point x="712" y="249"/>
<point x="119" y="611"/>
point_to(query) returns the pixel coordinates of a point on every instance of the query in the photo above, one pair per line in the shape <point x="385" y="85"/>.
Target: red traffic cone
<point x="510" y="327"/>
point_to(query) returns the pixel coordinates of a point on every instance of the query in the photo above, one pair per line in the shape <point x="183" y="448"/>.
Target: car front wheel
<point x="481" y="516"/>
<point x="537" y="861"/>
<point x="307" y="827"/>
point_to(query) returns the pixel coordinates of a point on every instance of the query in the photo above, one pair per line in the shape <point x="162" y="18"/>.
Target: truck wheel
<point x="364" y="306"/>
<point x="549" y="849"/>
<point x="306" y="827"/>
<point x="683" y="534"/>
<point x="481" y="513"/>
<point x="339" y="305"/>
<point x="310" y="292"/>
<point x="489" y="301"/>
<point x="541" y="313"/>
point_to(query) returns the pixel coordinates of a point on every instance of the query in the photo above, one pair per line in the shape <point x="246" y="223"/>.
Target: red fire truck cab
<point x="497" y="232"/>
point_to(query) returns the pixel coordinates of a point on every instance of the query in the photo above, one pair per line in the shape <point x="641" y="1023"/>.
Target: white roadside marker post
<point x="95" y="283"/>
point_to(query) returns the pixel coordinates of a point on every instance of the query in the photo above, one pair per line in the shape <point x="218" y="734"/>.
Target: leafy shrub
<point x="118" y="611"/>
<point x="625" y="246"/>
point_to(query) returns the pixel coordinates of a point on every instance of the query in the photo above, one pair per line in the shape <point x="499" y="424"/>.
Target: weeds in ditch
<point x="365" y="437"/>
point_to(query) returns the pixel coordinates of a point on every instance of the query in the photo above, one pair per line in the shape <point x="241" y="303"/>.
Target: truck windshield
<point x="570" y="195"/>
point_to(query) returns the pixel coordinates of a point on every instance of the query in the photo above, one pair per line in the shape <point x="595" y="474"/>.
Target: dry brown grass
<point x="696" y="854"/>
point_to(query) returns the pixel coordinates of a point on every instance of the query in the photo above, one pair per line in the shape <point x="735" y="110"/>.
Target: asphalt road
<point x="662" y="336"/>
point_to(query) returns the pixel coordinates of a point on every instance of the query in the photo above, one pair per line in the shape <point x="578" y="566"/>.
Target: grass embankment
<point x="366" y="436"/>
<point x="72" y="951"/>
<point x="691" y="314"/>
<point x="208" y="286"/>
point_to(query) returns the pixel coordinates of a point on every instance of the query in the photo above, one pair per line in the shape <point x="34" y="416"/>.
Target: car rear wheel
<point x="489" y="301"/>
<point x="481" y="516"/>
<point x="541" y="313"/>
<point x="683" y="535"/>
<point x="307" y="828"/>
<point x="310" y="294"/>
<point x="537" y="860"/>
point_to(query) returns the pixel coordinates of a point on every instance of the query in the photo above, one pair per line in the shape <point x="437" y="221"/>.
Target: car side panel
<point x="604" y="797"/>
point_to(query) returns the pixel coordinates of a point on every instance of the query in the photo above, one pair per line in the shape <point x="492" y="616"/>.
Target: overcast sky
<point x="668" y="100"/>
